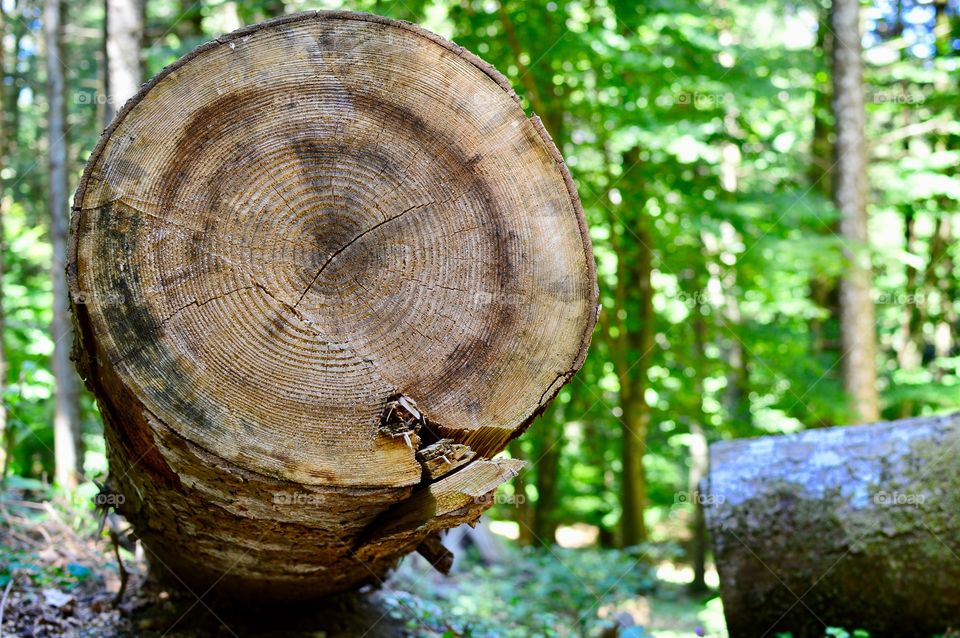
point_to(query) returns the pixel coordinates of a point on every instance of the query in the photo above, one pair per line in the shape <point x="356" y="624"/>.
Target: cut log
<point x="852" y="527"/>
<point x="323" y="270"/>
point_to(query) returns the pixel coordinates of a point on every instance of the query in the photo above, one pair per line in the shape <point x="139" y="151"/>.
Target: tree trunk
<point x="66" y="417"/>
<point x="858" y="523"/>
<point x="699" y="458"/>
<point x="4" y="148"/>
<point x="124" y="40"/>
<point x="548" y="446"/>
<point x="636" y="410"/>
<point x="637" y="332"/>
<point x="326" y="260"/>
<point x="857" y="326"/>
<point x="522" y="510"/>
<point x="824" y="288"/>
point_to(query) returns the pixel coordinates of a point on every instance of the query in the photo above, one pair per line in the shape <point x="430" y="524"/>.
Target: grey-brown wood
<point x="852" y="527"/>
<point x="307" y="258"/>
<point x="857" y="314"/>
<point x="123" y="27"/>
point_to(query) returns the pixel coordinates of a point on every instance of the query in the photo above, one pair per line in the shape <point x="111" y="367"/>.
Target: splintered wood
<point x="323" y="269"/>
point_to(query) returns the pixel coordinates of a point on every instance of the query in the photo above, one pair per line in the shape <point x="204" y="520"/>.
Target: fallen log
<point x="323" y="269"/>
<point x="853" y="527"/>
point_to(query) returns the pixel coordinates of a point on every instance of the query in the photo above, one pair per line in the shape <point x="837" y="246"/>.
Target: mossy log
<point x="323" y="269"/>
<point x="854" y="527"/>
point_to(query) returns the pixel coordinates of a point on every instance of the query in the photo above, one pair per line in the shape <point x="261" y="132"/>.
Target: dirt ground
<point x="66" y="576"/>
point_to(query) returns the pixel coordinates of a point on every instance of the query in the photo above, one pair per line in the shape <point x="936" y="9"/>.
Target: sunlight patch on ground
<point x="682" y="617"/>
<point x="683" y="574"/>
<point x="506" y="529"/>
<point x="577" y="535"/>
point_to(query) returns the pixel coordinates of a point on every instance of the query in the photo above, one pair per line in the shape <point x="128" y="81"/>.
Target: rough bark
<point x="857" y="324"/>
<point x="632" y="242"/>
<point x="4" y="435"/>
<point x="307" y="252"/>
<point x="634" y="280"/>
<point x="522" y="510"/>
<point x="846" y="526"/>
<point x="547" y="449"/>
<point x="66" y="417"/>
<point x="124" y="40"/>
<point x="699" y="456"/>
<point x="824" y="287"/>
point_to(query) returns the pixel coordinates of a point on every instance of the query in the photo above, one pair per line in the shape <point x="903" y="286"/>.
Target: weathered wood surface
<point x="855" y="527"/>
<point x="301" y="255"/>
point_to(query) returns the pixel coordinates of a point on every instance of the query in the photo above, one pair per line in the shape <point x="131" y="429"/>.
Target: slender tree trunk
<point x="523" y="512"/>
<point x="857" y="322"/>
<point x="4" y="147"/>
<point x="699" y="460"/>
<point x="124" y="41"/>
<point x="944" y="332"/>
<point x="736" y="396"/>
<point x="12" y="94"/>
<point x="190" y="27"/>
<point x="66" y="416"/>
<point x="635" y="299"/>
<point x="824" y="341"/>
<point x="547" y="468"/>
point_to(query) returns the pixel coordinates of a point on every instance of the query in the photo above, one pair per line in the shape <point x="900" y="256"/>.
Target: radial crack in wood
<point x="323" y="269"/>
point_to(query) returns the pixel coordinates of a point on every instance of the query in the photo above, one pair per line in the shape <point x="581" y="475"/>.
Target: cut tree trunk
<point x="854" y="527"/>
<point x="314" y="262"/>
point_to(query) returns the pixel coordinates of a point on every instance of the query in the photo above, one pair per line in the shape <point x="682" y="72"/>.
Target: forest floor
<point x="59" y="577"/>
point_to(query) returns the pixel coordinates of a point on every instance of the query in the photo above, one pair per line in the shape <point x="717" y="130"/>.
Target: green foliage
<point x="537" y="592"/>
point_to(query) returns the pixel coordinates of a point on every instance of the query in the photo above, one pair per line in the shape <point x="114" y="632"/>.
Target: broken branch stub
<point x="323" y="269"/>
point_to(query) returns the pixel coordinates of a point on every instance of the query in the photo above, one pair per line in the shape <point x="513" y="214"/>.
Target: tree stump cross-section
<point x="323" y="269"/>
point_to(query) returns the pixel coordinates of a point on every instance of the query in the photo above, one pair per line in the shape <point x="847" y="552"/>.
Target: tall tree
<point x="857" y="322"/>
<point x="66" y="417"/>
<point x="699" y="456"/>
<point x="124" y="40"/>
<point x="3" y="193"/>
<point x="189" y="27"/>
<point x="824" y="293"/>
<point x="634" y="308"/>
